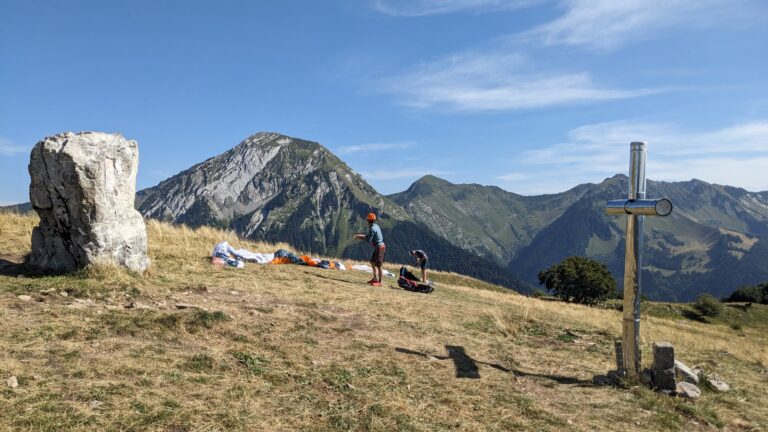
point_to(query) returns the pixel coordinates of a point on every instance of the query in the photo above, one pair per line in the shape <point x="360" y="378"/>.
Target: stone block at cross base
<point x="83" y="189"/>
<point x="664" y="379"/>
<point x="663" y="355"/>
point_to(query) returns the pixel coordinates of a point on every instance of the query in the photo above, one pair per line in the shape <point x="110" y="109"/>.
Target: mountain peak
<point x="264" y="138"/>
<point x="432" y="180"/>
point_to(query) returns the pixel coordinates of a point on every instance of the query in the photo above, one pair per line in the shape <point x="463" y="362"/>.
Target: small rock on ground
<point x="686" y="373"/>
<point x="12" y="382"/>
<point x="688" y="390"/>
<point x="718" y="383"/>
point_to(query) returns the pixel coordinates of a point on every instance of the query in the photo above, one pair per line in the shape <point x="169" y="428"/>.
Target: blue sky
<point x="534" y="96"/>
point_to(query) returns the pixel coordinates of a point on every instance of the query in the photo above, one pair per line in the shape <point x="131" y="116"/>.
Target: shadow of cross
<point x="465" y="365"/>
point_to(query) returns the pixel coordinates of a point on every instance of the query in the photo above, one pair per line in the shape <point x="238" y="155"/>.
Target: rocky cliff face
<point x="271" y="187"/>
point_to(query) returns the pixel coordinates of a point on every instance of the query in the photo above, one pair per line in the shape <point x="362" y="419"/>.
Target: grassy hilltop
<point x="283" y="347"/>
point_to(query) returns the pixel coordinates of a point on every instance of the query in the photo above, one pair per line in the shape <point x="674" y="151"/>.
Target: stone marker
<point x="663" y="368"/>
<point x="663" y="355"/>
<point x="83" y="188"/>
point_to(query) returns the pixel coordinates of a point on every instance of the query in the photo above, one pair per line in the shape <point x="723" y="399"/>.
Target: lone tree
<point x="580" y="280"/>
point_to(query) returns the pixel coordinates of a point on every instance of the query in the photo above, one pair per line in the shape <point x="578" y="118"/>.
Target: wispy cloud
<point x="736" y="155"/>
<point x="515" y="176"/>
<point x="8" y="148"/>
<point x="608" y="24"/>
<point x="496" y="81"/>
<point x="401" y="174"/>
<point x="372" y="147"/>
<point x="414" y="8"/>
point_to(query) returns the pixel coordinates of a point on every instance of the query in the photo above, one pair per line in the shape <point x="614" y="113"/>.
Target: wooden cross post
<point x="636" y="207"/>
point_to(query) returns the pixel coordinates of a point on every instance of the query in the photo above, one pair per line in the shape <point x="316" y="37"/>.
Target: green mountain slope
<point x="713" y="242"/>
<point x="486" y="220"/>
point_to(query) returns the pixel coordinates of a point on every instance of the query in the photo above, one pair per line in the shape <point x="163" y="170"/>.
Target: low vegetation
<point x="751" y="294"/>
<point x="284" y="347"/>
<point x="578" y="279"/>
<point x="708" y="306"/>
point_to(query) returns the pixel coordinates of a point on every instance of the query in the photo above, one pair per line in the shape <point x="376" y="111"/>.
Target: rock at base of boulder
<point x="688" y="390"/>
<point x="83" y="188"/>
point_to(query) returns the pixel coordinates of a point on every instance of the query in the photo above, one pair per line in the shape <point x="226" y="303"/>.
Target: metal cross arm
<point x="641" y="207"/>
<point x="635" y="207"/>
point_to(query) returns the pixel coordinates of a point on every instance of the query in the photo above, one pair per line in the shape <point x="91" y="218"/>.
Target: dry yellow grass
<point x="294" y="348"/>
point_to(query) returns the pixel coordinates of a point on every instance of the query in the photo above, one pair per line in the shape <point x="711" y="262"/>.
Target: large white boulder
<point x="83" y="188"/>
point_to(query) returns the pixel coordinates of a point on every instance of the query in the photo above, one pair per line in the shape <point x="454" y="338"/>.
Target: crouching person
<point x="421" y="260"/>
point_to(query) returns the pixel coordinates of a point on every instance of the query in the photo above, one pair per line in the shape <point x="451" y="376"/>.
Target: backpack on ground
<point x="409" y="282"/>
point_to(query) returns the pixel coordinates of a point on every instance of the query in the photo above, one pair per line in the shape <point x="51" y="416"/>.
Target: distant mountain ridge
<point x="487" y="220"/>
<point x="715" y="240"/>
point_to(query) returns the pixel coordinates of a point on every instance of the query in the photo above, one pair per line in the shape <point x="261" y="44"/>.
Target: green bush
<point x="580" y="280"/>
<point x="753" y="294"/>
<point x="708" y="306"/>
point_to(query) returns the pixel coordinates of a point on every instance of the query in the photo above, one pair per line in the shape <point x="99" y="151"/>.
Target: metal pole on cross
<point x="635" y="207"/>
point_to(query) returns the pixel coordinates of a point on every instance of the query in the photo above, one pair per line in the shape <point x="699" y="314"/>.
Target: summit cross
<point x="635" y="207"/>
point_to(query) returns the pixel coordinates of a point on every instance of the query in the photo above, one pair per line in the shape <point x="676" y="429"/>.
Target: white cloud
<point x="8" y="148"/>
<point x="608" y="24"/>
<point x="401" y="174"/>
<point x="515" y="176"/>
<point x="413" y="8"/>
<point x="364" y="148"/>
<point x="736" y="155"/>
<point x="496" y="81"/>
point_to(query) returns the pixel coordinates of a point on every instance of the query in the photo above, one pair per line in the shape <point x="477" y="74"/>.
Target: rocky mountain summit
<point x="270" y="187"/>
<point x="277" y="188"/>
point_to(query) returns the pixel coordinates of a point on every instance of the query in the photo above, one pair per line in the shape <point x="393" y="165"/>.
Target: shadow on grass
<point x="694" y="316"/>
<point x="466" y="366"/>
<point x="322" y="276"/>
<point x="14" y="269"/>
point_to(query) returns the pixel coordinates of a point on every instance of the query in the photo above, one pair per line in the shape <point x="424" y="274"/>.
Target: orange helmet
<point x="371" y="217"/>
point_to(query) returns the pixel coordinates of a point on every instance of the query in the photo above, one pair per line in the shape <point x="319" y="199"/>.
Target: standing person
<point x="421" y="260"/>
<point x="376" y="239"/>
